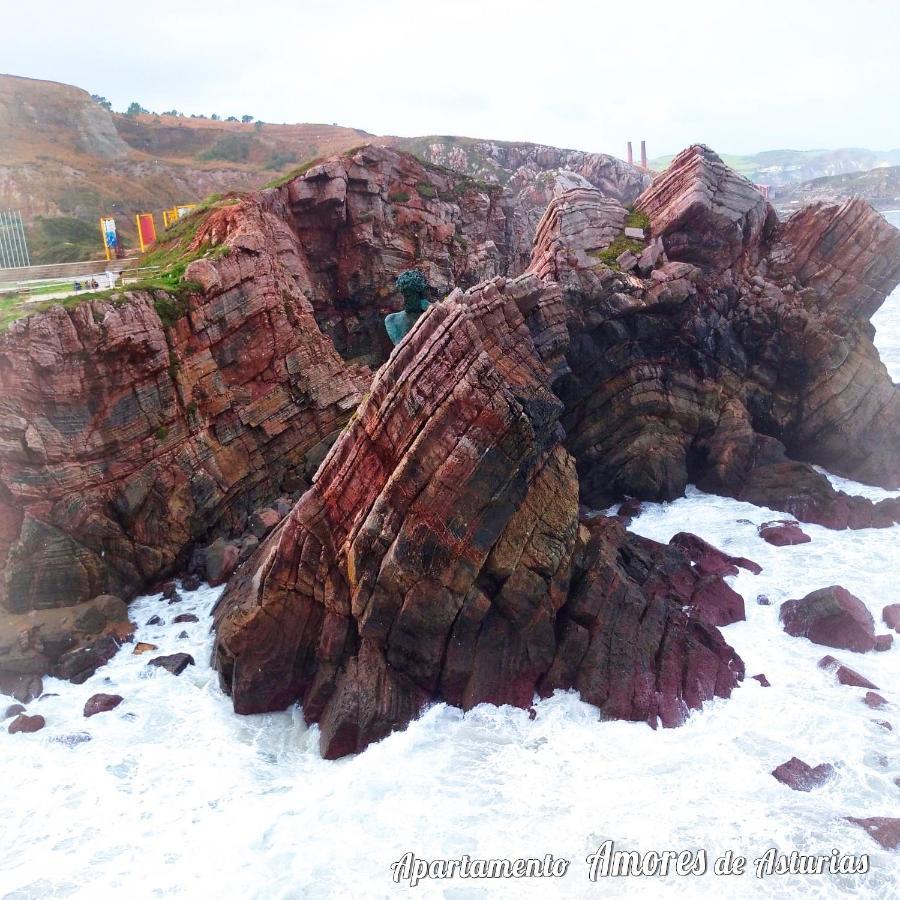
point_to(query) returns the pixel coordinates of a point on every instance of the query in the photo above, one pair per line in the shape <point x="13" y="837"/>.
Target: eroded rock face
<point x="433" y="556"/>
<point x="125" y="438"/>
<point x="710" y="368"/>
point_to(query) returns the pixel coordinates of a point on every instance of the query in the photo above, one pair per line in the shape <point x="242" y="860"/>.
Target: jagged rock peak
<point x="705" y="212"/>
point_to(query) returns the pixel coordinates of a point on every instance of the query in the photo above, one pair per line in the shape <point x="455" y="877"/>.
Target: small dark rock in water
<point x="46" y="697"/>
<point x="884" y="724"/>
<point x="873" y="700"/>
<point x="883" y="642"/>
<point x="763" y="600"/>
<point x="71" y="740"/>
<point x="23" y="724"/>
<point x="13" y="710"/>
<point x="79" y="664"/>
<point x="101" y="703"/>
<point x="23" y="688"/>
<point x="182" y="635"/>
<point x="629" y="510"/>
<point x="190" y="582"/>
<point x="783" y="534"/>
<point x="711" y="560"/>
<point x="532" y="713"/>
<point x="155" y="620"/>
<point x="175" y="598"/>
<point x="184" y="617"/>
<point x="881" y="829"/>
<point x="799" y="776"/>
<point x="891" y="616"/>
<point x="846" y="676"/>
<point x="176" y="663"/>
<point x="143" y="647"/>
<point x="831" y="616"/>
<point x="762" y="680"/>
<point x="169" y="590"/>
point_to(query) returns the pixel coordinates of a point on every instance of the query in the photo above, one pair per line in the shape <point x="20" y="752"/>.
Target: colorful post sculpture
<point x="414" y="288"/>
<point x="171" y="216"/>
<point x="110" y="238"/>
<point x="146" y="229"/>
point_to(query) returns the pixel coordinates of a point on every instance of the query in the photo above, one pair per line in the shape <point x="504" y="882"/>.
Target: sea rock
<point x="190" y="583"/>
<point x="142" y="647"/>
<point x="709" y="559"/>
<point x="169" y="590"/>
<point x="423" y="565"/>
<point x="184" y="617"/>
<point x="873" y="700"/>
<point x="761" y="678"/>
<point x="23" y="724"/>
<point x="155" y="620"/>
<point x="263" y="521"/>
<point x="882" y="829"/>
<point x="175" y="663"/>
<point x="883" y="642"/>
<point x="783" y="534"/>
<point x="13" y="710"/>
<point x="23" y="688"/>
<point x="800" y="776"/>
<point x="891" y="616"/>
<point x="845" y="675"/>
<point x="832" y="617"/>
<point x="222" y="558"/>
<point x="100" y="703"/>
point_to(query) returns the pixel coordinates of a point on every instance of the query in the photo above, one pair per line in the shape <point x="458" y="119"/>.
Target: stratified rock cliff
<point x="439" y="555"/>
<point x="434" y="555"/>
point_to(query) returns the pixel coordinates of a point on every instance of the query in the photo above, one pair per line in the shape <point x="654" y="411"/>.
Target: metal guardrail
<point x="67" y="283"/>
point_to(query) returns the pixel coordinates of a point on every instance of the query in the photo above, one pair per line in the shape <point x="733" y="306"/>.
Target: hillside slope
<point x="879" y="187"/>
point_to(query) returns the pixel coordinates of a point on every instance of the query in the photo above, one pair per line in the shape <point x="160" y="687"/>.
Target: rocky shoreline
<point x="446" y="548"/>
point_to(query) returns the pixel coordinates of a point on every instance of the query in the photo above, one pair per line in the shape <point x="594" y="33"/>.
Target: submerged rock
<point x="831" y="616"/>
<point x="845" y="675"/>
<point x="891" y="616"/>
<point x="800" y="776"/>
<point x="23" y="724"/>
<point x="175" y="663"/>
<point x="783" y="534"/>
<point x="184" y="617"/>
<point x="100" y="703"/>
<point x="882" y="829"/>
<point x="12" y="711"/>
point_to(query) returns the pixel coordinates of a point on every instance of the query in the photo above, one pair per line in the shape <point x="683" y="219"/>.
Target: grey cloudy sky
<point x="739" y="76"/>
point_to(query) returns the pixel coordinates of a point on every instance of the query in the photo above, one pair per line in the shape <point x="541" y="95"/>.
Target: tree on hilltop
<point x="135" y="109"/>
<point x="101" y="100"/>
<point x="246" y="119"/>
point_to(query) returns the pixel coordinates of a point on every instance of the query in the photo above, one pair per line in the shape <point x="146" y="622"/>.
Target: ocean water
<point x="175" y="796"/>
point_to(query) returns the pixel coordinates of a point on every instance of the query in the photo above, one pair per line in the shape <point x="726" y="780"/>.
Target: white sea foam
<point x="174" y="795"/>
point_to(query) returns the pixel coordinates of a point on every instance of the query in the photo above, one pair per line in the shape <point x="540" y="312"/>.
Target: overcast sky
<point x="739" y="76"/>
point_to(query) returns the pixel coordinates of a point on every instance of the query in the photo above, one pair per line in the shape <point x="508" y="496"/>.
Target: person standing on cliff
<point x="414" y="288"/>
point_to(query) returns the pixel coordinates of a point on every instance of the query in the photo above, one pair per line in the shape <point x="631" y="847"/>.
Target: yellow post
<point x="103" y="235"/>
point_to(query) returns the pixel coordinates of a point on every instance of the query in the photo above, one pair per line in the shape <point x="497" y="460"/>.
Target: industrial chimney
<point x="630" y="155"/>
<point x="643" y="154"/>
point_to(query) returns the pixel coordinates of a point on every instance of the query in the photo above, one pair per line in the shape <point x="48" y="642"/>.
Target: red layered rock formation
<point x="125" y="437"/>
<point x="719" y="372"/>
<point x="433" y="556"/>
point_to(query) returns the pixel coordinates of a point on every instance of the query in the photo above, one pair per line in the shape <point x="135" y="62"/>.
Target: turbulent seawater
<point x="174" y="795"/>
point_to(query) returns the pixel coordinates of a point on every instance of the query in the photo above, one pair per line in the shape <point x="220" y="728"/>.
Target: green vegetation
<point x="231" y="148"/>
<point x="637" y="219"/>
<point x="426" y="191"/>
<point x="609" y="255"/>
<point x="398" y="197"/>
<point x="135" y="109"/>
<point x="161" y="433"/>
<point x="302" y="169"/>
